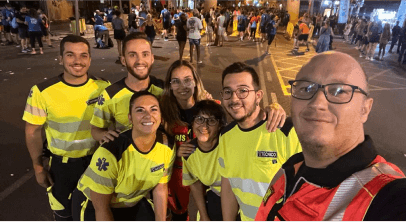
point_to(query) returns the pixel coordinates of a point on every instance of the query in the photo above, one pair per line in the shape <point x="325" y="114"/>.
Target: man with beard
<point x="63" y="106"/>
<point x="339" y="176"/>
<point x="113" y="104"/>
<point x="249" y="155"/>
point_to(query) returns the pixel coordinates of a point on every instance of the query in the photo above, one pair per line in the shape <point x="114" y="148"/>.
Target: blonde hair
<point x="170" y="105"/>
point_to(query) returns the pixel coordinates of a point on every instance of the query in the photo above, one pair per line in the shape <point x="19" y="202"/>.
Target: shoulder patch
<point x="157" y="82"/>
<point x="98" y="78"/>
<point x="49" y="82"/>
<point x="115" y="88"/>
<point x="119" y="145"/>
<point x="229" y="127"/>
<point x="288" y="126"/>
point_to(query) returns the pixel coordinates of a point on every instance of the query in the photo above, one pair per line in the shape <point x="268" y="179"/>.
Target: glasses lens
<point x="199" y="120"/>
<point x="188" y="82"/>
<point x="175" y="82"/>
<point x="338" y="93"/>
<point x="242" y="93"/>
<point x="226" y="94"/>
<point x="212" y="121"/>
<point x="304" y="89"/>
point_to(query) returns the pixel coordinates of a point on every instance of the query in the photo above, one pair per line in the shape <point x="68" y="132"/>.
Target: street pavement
<point x="21" y="198"/>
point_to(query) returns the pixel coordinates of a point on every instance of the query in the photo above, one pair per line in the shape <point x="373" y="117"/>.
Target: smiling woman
<point x="122" y="172"/>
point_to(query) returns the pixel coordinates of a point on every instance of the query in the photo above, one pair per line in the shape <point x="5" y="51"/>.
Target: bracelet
<point x="275" y="106"/>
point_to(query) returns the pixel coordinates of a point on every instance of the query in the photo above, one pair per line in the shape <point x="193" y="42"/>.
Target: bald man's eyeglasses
<point x="337" y="93"/>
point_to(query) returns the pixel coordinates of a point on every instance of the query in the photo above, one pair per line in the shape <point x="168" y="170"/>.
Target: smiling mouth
<point x="140" y="67"/>
<point x="235" y="107"/>
<point x="147" y="124"/>
<point x="77" y="68"/>
<point x="316" y="120"/>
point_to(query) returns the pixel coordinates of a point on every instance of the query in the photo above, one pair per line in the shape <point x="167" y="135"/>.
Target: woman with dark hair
<point x="324" y="40"/>
<point x="34" y="30"/>
<point x="119" y="32"/>
<point x="149" y="28"/>
<point x="200" y="156"/>
<point x="383" y="41"/>
<point x="123" y="172"/>
<point x="181" y="34"/>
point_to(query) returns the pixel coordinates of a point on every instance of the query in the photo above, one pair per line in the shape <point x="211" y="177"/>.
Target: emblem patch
<point x="156" y="168"/>
<point x="100" y="100"/>
<point x="102" y="164"/>
<point x="268" y="194"/>
<point x="92" y="101"/>
<point x="272" y="154"/>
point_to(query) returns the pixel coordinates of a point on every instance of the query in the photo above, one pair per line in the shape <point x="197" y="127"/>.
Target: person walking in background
<point x="194" y="25"/>
<point x="119" y="33"/>
<point x="385" y="36"/>
<point x="402" y="41"/>
<point x="181" y="34"/>
<point x="241" y="25"/>
<point x="253" y="26"/>
<point x="220" y="27"/>
<point x="23" y="29"/>
<point x="374" y="31"/>
<point x="149" y="28"/>
<point x="34" y="30"/>
<point x="324" y="40"/>
<point x="45" y="28"/>
<point x="395" y="37"/>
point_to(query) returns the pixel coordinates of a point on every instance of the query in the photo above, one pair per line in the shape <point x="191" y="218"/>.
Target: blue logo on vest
<point x="30" y="95"/>
<point x="102" y="164"/>
<point x="101" y="100"/>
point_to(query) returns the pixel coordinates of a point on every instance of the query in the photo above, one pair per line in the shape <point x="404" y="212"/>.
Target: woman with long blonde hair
<point x="385" y="36"/>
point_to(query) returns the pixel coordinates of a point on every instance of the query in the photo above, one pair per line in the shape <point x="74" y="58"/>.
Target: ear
<point x="258" y="96"/>
<point x="153" y="58"/>
<point x="366" y="109"/>
<point x="129" y="118"/>
<point x="123" y="61"/>
<point x="60" y="60"/>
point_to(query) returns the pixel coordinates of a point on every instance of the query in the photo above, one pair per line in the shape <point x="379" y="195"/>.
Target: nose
<point x="234" y="96"/>
<point x="319" y="100"/>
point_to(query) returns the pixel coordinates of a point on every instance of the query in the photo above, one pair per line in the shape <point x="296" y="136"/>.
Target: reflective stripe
<point x="101" y="114"/>
<point x="35" y="111"/>
<point x="121" y="127"/>
<point x="74" y="145"/>
<point x="187" y="177"/>
<point x="83" y="210"/>
<point x="70" y="127"/>
<point x="131" y="196"/>
<point x="107" y="182"/>
<point x="215" y="184"/>
<point x="350" y="187"/>
<point x="247" y="210"/>
<point x="221" y="162"/>
<point x="249" y="186"/>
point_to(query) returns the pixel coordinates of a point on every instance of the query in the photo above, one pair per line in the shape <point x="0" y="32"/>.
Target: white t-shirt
<point x="194" y="25"/>
<point x="220" y="21"/>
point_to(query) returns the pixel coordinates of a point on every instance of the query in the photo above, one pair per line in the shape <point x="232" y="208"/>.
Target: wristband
<point x="275" y="106"/>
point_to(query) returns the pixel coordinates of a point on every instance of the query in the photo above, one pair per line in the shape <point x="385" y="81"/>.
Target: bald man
<point x="339" y="175"/>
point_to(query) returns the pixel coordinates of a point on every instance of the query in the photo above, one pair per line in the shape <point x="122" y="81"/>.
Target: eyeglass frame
<point x="291" y="82"/>
<point x="206" y="120"/>
<point x="182" y="82"/>
<point x="235" y="91"/>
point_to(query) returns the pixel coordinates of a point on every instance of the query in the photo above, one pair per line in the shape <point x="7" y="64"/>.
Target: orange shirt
<point x="304" y="28"/>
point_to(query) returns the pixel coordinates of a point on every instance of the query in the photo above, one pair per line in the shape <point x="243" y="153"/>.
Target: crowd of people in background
<point x="22" y="26"/>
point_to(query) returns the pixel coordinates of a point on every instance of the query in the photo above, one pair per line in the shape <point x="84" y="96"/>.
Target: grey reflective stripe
<point x="216" y="184"/>
<point x="247" y="210"/>
<point x="350" y="187"/>
<point x="101" y="114"/>
<point x="107" y="182"/>
<point x="221" y="162"/>
<point x="70" y="127"/>
<point x="249" y="186"/>
<point x="88" y="143"/>
<point x="186" y="176"/>
<point x="133" y="195"/>
<point x="121" y="127"/>
<point x="35" y="111"/>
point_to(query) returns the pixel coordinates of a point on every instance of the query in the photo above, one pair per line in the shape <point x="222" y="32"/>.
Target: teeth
<point x="147" y="124"/>
<point x="139" y="68"/>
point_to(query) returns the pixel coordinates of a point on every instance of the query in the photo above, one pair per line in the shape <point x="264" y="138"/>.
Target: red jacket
<point x="348" y="201"/>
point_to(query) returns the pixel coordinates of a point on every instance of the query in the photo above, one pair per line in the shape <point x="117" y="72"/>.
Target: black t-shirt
<point x="21" y="16"/>
<point x="131" y="20"/>
<point x="181" y="31"/>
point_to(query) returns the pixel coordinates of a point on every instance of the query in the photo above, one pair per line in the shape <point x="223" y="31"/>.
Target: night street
<point x="21" y="198"/>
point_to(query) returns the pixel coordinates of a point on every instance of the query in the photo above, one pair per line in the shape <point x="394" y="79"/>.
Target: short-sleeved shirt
<point x="119" y="167"/>
<point x="33" y="24"/>
<point x="250" y="158"/>
<point x="21" y="16"/>
<point x="202" y="166"/>
<point x="305" y="29"/>
<point x="65" y="111"/>
<point x="114" y="103"/>
<point x="254" y="21"/>
<point x="194" y="25"/>
<point x="265" y="18"/>
<point x="118" y="23"/>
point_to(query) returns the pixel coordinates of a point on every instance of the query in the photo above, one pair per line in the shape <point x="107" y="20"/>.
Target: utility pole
<point x="77" y="17"/>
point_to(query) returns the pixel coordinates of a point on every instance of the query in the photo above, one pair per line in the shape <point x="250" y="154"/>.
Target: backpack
<point x="240" y="21"/>
<point x="254" y="24"/>
<point x="14" y="23"/>
<point x="269" y="27"/>
<point x="167" y="16"/>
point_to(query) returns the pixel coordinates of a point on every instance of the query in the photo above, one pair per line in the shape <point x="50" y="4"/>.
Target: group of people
<point x="368" y="34"/>
<point x="136" y="148"/>
<point x="22" y="26"/>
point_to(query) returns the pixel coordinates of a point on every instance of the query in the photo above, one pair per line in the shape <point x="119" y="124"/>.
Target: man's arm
<point x="229" y="204"/>
<point x="103" y="134"/>
<point x="198" y="194"/>
<point x="160" y="195"/>
<point x="101" y="204"/>
<point x="34" y="143"/>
